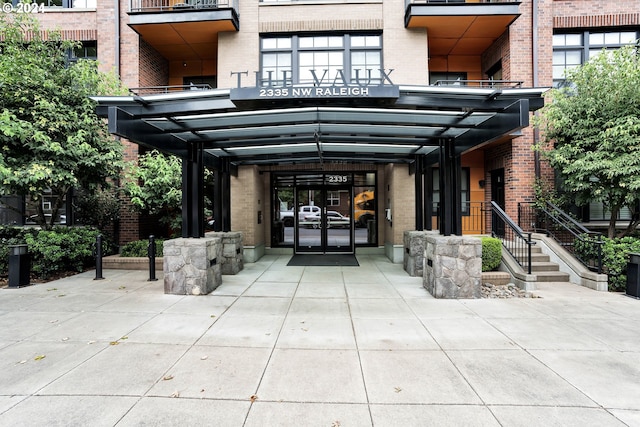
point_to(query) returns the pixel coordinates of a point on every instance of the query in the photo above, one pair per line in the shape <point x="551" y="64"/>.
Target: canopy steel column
<point x="226" y="195"/>
<point x="450" y="199"/>
<point x="218" y="200"/>
<point x="193" y="192"/>
<point x="428" y="198"/>
<point x="222" y="196"/>
<point x="421" y="215"/>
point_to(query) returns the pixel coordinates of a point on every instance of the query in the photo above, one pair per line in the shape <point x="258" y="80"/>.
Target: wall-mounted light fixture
<point x="481" y="183"/>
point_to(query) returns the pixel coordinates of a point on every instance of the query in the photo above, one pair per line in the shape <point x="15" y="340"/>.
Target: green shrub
<point x="491" y="253"/>
<point x="63" y="249"/>
<point x="615" y="257"/>
<point x="139" y="248"/>
<point x="52" y="251"/>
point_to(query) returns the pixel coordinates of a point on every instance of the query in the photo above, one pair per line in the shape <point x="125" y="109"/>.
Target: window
<point x="321" y="59"/>
<point x="86" y="50"/>
<point x="571" y="50"/>
<point x="465" y="194"/>
<point x="333" y="198"/>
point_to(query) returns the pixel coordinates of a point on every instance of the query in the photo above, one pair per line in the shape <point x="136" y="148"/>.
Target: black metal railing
<point x="480" y="83"/>
<point x="475" y="217"/>
<point x="177" y="5"/>
<point x="154" y="90"/>
<point x="514" y="239"/>
<point x="436" y="2"/>
<point x="567" y="232"/>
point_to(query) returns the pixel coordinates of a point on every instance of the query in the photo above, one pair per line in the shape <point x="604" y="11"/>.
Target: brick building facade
<point x="162" y="43"/>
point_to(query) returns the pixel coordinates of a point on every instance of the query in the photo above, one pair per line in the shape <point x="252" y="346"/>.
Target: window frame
<point x="295" y="49"/>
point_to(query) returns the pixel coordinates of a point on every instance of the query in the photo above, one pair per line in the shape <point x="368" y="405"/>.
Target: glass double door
<point x="322" y="227"/>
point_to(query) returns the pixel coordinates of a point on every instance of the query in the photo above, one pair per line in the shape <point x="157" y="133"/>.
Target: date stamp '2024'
<point x="23" y="8"/>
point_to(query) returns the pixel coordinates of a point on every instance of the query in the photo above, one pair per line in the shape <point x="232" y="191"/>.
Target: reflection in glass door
<point x="320" y="229"/>
<point x="310" y="203"/>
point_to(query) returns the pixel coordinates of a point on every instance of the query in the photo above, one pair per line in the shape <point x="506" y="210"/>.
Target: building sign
<point x="322" y="88"/>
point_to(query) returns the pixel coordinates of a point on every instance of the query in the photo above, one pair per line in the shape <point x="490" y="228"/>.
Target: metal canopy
<point x="314" y="132"/>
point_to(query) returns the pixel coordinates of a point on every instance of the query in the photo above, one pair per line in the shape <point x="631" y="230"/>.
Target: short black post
<point x="151" y="250"/>
<point x="98" y="253"/>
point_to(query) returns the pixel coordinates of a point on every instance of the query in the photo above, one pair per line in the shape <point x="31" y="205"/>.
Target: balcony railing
<point x="480" y="83"/>
<point x="179" y="5"/>
<point x="439" y="2"/>
<point x="156" y="90"/>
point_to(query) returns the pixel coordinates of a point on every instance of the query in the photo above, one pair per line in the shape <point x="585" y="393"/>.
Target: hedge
<point x="52" y="251"/>
<point x="139" y="248"/>
<point x="615" y="257"/>
<point x="491" y="253"/>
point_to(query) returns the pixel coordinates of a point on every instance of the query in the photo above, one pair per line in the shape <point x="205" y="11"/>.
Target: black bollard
<point x="98" y="253"/>
<point x="151" y="250"/>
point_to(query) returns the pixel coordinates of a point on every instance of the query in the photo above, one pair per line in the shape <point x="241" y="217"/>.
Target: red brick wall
<point x="154" y="69"/>
<point x="596" y="11"/>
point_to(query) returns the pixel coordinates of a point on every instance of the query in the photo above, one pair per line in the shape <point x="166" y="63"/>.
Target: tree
<point x="591" y="133"/>
<point x="154" y="186"/>
<point x="51" y="140"/>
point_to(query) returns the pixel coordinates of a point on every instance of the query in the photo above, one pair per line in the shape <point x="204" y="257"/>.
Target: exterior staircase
<point x="543" y="268"/>
<point x="518" y="244"/>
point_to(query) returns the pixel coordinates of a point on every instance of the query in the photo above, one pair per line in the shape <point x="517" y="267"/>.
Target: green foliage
<point x="58" y="250"/>
<point x="139" y="248"/>
<point x="591" y="132"/>
<point x="546" y="192"/>
<point x="98" y="208"/>
<point x="615" y="257"/>
<point x="50" y="137"/>
<point x="155" y="187"/>
<point x="491" y="253"/>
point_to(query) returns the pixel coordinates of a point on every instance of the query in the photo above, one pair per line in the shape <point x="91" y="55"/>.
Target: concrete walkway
<point x="314" y="346"/>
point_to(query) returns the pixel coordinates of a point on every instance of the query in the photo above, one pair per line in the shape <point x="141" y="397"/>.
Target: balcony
<point x="459" y="27"/>
<point x="183" y="29"/>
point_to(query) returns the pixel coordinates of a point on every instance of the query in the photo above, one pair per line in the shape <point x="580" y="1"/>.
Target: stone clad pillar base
<point x="232" y="260"/>
<point x="453" y="266"/>
<point x="414" y="242"/>
<point x="192" y="266"/>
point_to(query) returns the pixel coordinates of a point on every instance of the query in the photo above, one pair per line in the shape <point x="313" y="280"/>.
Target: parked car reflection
<point x="334" y="220"/>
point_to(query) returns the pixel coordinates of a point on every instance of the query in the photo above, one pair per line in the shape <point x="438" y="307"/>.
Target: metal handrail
<point x="513" y="238"/>
<point x="562" y="228"/>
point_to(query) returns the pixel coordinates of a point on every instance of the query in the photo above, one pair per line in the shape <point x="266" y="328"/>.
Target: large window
<point x="571" y="50"/>
<point x="321" y="59"/>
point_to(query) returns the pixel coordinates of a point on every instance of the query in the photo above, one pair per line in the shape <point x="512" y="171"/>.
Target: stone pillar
<point x="453" y="266"/>
<point x="192" y="266"/>
<point x="232" y="259"/>
<point x="414" y="252"/>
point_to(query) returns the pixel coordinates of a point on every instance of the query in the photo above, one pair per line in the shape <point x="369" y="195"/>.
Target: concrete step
<point x="551" y="276"/>
<point x="544" y="266"/>
<point x="535" y="257"/>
